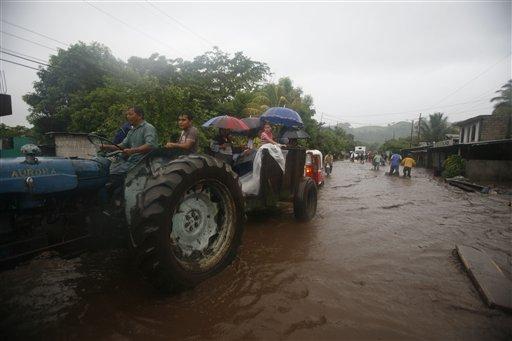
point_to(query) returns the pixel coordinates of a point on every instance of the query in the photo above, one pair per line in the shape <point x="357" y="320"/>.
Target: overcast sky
<point x="363" y="63"/>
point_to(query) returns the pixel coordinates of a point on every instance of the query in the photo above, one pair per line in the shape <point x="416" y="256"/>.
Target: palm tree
<point x="436" y="128"/>
<point x="503" y="105"/>
<point x="504" y="100"/>
<point x="281" y="94"/>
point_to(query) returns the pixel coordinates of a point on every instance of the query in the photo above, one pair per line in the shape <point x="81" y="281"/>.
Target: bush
<point x="454" y="165"/>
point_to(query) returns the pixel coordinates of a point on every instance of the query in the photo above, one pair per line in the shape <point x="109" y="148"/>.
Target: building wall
<point x="437" y="156"/>
<point x="17" y="143"/>
<point x="470" y="132"/>
<point x="495" y="127"/>
<point x="497" y="171"/>
<point x="74" y="146"/>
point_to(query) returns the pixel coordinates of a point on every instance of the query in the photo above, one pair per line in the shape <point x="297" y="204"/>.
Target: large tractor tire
<point x="192" y="222"/>
<point x="305" y="200"/>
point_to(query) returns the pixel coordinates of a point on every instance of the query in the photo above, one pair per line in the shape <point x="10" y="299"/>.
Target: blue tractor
<point x="40" y="198"/>
<point x="181" y="214"/>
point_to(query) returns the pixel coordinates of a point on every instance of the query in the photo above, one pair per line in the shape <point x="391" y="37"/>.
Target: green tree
<point x="435" y="128"/>
<point x="503" y="102"/>
<point x="333" y="140"/>
<point x="503" y="105"/>
<point x="215" y="77"/>
<point x="395" y="145"/>
<point x="72" y="73"/>
<point x="7" y="131"/>
<point x="282" y="94"/>
<point x="85" y="89"/>
<point x="155" y="66"/>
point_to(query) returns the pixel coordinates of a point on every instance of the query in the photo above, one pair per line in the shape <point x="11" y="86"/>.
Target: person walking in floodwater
<point x="408" y="163"/>
<point x="376" y="161"/>
<point x="395" y="164"/>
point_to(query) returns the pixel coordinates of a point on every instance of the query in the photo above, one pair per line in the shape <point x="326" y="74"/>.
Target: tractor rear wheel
<point x="305" y="200"/>
<point x="192" y="222"/>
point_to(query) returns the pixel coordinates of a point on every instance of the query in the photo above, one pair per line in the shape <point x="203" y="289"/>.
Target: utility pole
<point x="322" y="118"/>
<point x="412" y="129"/>
<point x="419" y="128"/>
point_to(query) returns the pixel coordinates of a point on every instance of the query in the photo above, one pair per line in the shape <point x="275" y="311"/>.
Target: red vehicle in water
<point x="314" y="166"/>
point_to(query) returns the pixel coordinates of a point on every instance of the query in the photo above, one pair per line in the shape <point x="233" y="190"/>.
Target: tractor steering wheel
<point x="99" y="141"/>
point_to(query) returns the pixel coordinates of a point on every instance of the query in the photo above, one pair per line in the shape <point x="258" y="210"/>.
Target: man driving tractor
<point x="140" y="140"/>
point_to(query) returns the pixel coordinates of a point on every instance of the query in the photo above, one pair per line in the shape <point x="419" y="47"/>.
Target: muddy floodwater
<point x="377" y="262"/>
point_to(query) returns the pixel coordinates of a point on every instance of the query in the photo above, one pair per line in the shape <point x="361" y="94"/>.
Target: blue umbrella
<point x="284" y="116"/>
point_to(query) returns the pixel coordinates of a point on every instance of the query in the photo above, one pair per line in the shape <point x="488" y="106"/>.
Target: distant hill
<point x="378" y="134"/>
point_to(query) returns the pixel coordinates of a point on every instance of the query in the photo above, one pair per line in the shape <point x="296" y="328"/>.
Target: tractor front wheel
<point x="193" y="222"/>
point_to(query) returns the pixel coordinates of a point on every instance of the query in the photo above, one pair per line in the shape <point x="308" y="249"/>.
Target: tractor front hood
<point x="47" y="175"/>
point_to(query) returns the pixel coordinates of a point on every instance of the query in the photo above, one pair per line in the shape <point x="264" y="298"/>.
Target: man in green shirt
<point x="140" y="140"/>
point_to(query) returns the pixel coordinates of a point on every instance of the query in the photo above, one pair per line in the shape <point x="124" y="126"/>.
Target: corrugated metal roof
<point x="469" y="120"/>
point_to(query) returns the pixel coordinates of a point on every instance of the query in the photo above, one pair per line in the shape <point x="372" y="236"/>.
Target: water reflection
<point x="375" y="263"/>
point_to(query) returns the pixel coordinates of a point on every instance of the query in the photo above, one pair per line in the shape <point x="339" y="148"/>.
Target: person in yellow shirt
<point x="408" y="162"/>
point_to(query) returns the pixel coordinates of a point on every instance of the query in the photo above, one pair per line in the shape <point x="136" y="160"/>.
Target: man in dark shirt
<point x="122" y="132"/>
<point x="189" y="135"/>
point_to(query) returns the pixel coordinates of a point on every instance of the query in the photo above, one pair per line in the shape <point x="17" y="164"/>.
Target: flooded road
<point x="376" y="263"/>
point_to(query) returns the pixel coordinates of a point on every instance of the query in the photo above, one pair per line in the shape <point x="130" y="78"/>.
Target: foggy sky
<point x="363" y="63"/>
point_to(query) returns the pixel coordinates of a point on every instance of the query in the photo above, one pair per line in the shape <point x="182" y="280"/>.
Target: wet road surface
<point x="376" y="263"/>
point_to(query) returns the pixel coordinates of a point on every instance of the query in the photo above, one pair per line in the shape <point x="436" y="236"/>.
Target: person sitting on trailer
<point x="266" y="134"/>
<point x="189" y="135"/>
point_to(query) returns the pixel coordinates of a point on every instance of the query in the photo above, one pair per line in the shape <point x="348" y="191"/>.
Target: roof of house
<point x="469" y="120"/>
<point x="480" y="143"/>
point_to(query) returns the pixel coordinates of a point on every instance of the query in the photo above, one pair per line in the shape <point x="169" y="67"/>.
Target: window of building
<point x="473" y="132"/>
<point x="462" y="130"/>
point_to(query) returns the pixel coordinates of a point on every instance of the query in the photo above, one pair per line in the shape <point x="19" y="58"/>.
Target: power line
<point x="34" y="32"/>
<point x="412" y="112"/>
<point x="448" y="114"/>
<point x="30" y="41"/>
<point x="468" y="111"/>
<point x="416" y="110"/>
<point x="474" y="78"/>
<point x="473" y="108"/>
<point x="24" y="55"/>
<point x="449" y="95"/>
<point x="452" y="93"/>
<point x="209" y="43"/>
<point x="27" y="59"/>
<point x="132" y="27"/>
<point x="10" y="61"/>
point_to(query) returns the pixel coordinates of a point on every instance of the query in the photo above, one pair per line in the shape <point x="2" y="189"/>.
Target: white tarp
<point x="251" y="181"/>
